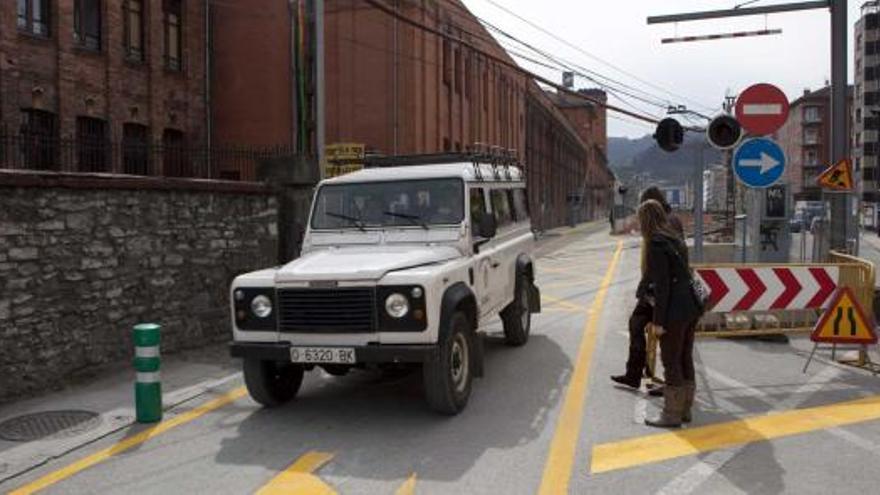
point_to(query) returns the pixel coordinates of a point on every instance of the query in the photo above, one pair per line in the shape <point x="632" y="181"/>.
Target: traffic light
<point x="669" y="134"/>
<point x="724" y="132"/>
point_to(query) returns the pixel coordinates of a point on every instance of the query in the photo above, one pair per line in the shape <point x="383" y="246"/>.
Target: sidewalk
<point x="185" y="376"/>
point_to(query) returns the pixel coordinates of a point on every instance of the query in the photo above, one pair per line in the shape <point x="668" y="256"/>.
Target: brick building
<point x="399" y="89"/>
<point x="806" y="139"/>
<point x="866" y="106"/>
<point x="88" y="85"/>
<point x="253" y="97"/>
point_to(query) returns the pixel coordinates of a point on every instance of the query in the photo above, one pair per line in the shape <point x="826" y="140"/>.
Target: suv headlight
<point x="397" y="305"/>
<point x="261" y="306"/>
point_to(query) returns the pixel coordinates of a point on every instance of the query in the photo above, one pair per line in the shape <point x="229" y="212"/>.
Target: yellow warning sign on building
<point x="838" y="177"/>
<point x="844" y="322"/>
<point x="343" y="158"/>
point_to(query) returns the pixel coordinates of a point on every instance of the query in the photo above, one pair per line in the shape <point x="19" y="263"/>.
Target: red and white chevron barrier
<point x="769" y="288"/>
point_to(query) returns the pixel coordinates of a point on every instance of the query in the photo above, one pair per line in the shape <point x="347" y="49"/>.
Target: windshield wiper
<point x="352" y="220"/>
<point x="413" y="219"/>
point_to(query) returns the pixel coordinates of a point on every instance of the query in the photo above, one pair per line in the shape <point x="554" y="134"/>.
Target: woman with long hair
<point x="675" y="312"/>
<point x="643" y="312"/>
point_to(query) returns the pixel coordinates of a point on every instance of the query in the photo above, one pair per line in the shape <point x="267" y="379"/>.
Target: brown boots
<point x="690" y="389"/>
<point x="673" y="408"/>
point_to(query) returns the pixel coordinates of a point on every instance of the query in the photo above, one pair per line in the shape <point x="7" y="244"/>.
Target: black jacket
<point x="669" y="275"/>
<point x="644" y="288"/>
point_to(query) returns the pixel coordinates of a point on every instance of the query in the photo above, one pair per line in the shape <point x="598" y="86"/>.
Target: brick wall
<point x="81" y="263"/>
<point x="53" y="74"/>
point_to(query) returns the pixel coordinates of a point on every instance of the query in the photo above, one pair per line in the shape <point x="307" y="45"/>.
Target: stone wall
<point x="82" y="260"/>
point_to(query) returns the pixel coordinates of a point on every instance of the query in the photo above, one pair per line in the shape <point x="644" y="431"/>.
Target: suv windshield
<point x="412" y="203"/>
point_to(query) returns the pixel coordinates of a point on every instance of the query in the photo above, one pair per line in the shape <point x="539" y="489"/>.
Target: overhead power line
<point x="592" y="56"/>
<point x="510" y="65"/>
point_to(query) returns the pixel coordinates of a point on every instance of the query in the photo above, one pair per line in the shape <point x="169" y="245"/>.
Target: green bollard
<point x="147" y="387"/>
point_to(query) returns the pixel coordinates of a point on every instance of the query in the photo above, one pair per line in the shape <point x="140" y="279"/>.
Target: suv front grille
<point x="345" y="310"/>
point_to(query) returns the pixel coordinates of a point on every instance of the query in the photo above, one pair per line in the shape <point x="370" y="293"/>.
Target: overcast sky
<point x="697" y="74"/>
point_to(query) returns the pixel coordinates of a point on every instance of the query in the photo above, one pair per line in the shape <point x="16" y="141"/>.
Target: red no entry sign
<point x="762" y="109"/>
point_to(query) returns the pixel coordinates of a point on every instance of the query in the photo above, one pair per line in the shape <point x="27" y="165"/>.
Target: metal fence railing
<point x="23" y="151"/>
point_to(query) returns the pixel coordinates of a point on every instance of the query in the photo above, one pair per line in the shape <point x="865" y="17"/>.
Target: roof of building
<point x="464" y="170"/>
<point x="820" y="94"/>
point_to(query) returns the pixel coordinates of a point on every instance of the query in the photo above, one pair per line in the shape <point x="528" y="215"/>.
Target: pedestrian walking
<point x="642" y="314"/>
<point x="676" y="311"/>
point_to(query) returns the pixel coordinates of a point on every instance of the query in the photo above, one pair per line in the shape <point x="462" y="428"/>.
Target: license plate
<point x="332" y="355"/>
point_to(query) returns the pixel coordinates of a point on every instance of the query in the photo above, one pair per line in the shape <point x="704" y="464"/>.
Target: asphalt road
<point x="544" y="419"/>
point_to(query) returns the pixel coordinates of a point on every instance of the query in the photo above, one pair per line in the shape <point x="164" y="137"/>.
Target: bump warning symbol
<point x="838" y="177"/>
<point x="844" y="322"/>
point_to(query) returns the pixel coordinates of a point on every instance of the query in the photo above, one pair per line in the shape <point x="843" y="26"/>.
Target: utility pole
<point x="841" y="223"/>
<point x="320" y="118"/>
<point x="841" y="204"/>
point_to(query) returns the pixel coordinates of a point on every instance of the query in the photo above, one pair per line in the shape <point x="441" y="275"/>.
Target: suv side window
<point x="478" y="205"/>
<point x="501" y="207"/>
<point x="520" y="205"/>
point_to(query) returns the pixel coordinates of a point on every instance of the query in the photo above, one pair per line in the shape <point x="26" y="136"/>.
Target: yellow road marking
<point x="408" y="487"/>
<point x="560" y="460"/>
<point x="665" y="446"/>
<point x="563" y="303"/>
<point x="299" y="479"/>
<point x="129" y="442"/>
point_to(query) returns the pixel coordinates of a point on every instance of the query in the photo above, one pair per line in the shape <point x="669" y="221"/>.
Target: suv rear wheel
<point x="272" y="383"/>
<point x="448" y="378"/>
<point x="517" y="317"/>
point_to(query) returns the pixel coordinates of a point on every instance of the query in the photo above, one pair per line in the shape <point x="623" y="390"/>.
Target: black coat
<point x="669" y="275"/>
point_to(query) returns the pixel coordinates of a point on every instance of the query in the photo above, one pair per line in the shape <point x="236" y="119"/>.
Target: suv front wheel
<point x="448" y="377"/>
<point x="272" y="383"/>
<point x="517" y="317"/>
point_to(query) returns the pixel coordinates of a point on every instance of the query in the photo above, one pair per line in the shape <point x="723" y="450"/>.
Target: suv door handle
<point x="496" y="264"/>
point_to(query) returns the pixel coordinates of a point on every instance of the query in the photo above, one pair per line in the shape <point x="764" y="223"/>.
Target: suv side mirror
<point x="486" y="227"/>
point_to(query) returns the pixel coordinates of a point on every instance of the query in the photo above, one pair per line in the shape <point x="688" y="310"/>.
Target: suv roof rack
<point x="498" y="158"/>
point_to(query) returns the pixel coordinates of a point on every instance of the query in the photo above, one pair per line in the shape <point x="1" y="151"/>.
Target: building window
<point x="871" y="98"/>
<point x="33" y="16"/>
<point x="39" y="139"/>
<point x="133" y="24"/>
<point x="872" y="123"/>
<point x="135" y="149"/>
<point x="173" y="32"/>
<point x="811" y="136"/>
<point x="870" y="149"/>
<point x="175" y="158"/>
<point x="458" y="70"/>
<point x="870" y="73"/>
<point x="87" y="24"/>
<point x="811" y="158"/>
<point x="869" y="173"/>
<point x="92" y="146"/>
<point x="811" y="114"/>
<point x="447" y="63"/>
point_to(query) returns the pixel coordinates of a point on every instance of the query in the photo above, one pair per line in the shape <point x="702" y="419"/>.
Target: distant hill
<point x="621" y="150"/>
<point x="642" y="156"/>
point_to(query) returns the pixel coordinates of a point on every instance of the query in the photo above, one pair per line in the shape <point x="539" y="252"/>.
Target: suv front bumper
<point x="280" y="351"/>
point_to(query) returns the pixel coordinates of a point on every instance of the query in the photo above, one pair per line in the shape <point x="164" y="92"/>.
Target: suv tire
<point x="448" y="378"/>
<point x="517" y="317"/>
<point x="272" y="383"/>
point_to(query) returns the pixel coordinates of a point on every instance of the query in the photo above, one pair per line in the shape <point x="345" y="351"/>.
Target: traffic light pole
<point x="843" y="228"/>
<point x="842" y="224"/>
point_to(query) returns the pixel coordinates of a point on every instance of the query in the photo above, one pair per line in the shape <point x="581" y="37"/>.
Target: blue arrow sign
<point x="759" y="162"/>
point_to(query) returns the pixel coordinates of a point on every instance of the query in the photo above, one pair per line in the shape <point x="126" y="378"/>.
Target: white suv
<point x="400" y="266"/>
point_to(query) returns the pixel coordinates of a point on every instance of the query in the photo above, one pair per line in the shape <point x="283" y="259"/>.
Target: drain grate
<point x="48" y="424"/>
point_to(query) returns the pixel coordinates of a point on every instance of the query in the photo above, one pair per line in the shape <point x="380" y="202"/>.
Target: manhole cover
<point x="48" y="424"/>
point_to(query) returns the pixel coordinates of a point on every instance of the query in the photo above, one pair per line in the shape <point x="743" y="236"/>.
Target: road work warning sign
<point x="838" y="177"/>
<point x="844" y="322"/>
